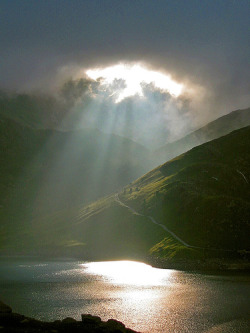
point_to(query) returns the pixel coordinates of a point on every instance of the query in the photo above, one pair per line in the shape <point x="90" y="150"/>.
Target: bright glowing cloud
<point x="134" y="76"/>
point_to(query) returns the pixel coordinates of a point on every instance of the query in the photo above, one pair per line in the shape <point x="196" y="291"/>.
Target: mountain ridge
<point x="54" y="165"/>
<point x="212" y="130"/>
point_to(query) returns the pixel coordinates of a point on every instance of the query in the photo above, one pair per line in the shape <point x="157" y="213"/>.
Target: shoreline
<point x="210" y="265"/>
<point x="17" y="323"/>
<point x="46" y="323"/>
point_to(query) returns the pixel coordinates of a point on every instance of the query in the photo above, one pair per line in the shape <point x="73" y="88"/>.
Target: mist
<point x="152" y="119"/>
<point x="203" y="45"/>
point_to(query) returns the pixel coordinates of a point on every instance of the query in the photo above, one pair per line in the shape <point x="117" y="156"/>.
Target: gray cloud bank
<point x="201" y="43"/>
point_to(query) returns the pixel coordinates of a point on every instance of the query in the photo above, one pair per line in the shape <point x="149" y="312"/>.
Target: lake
<point x="144" y="298"/>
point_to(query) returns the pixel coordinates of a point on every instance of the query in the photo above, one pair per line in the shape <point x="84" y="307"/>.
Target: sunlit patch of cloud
<point x="134" y="76"/>
<point x="152" y="117"/>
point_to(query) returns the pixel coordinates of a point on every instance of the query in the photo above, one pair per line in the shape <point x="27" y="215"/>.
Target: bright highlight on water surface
<point x="129" y="272"/>
<point x="134" y="76"/>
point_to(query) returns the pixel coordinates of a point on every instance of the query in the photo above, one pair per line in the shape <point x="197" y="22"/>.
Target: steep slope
<point x="201" y="197"/>
<point x="46" y="170"/>
<point x="213" y="130"/>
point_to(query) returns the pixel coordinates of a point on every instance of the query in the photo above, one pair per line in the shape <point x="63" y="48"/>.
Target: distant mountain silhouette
<point x="36" y="111"/>
<point x="213" y="130"/>
<point x="46" y="170"/>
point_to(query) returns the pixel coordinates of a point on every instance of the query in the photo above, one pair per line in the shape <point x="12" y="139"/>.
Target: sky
<point x="201" y="45"/>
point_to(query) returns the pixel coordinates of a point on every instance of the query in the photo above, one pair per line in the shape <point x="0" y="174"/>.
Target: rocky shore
<point x="16" y="323"/>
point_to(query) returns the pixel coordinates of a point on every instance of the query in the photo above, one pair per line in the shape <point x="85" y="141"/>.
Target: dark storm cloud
<point x="81" y="89"/>
<point x="203" y="42"/>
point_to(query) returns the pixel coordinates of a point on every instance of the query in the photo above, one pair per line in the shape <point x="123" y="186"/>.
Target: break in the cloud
<point x="134" y="76"/>
<point x="202" y="44"/>
<point x="151" y="117"/>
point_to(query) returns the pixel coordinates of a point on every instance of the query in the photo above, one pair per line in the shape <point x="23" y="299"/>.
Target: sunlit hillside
<point x="202" y="197"/>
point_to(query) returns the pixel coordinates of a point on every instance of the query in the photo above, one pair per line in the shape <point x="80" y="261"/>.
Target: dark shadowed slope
<point x="46" y="170"/>
<point x="201" y="196"/>
<point x="213" y="130"/>
<point x="36" y="111"/>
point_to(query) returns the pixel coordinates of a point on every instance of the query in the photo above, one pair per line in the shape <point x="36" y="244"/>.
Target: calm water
<point x="144" y="298"/>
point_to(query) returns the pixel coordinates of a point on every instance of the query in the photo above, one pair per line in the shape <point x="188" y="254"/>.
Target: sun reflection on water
<point x="129" y="273"/>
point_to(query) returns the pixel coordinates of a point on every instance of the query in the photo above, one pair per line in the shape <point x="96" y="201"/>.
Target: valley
<point x="192" y="208"/>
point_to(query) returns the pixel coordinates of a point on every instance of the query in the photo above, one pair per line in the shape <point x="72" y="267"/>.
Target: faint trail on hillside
<point x="117" y="199"/>
<point x="242" y="174"/>
<point x="153" y="221"/>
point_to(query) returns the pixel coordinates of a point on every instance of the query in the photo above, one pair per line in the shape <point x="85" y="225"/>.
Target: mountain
<point x="201" y="197"/>
<point x="43" y="171"/>
<point x="203" y="194"/>
<point x="36" y="111"/>
<point x="213" y="130"/>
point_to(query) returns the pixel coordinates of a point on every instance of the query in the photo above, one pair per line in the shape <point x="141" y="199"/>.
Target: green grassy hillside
<point x="213" y="130"/>
<point x="201" y="196"/>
